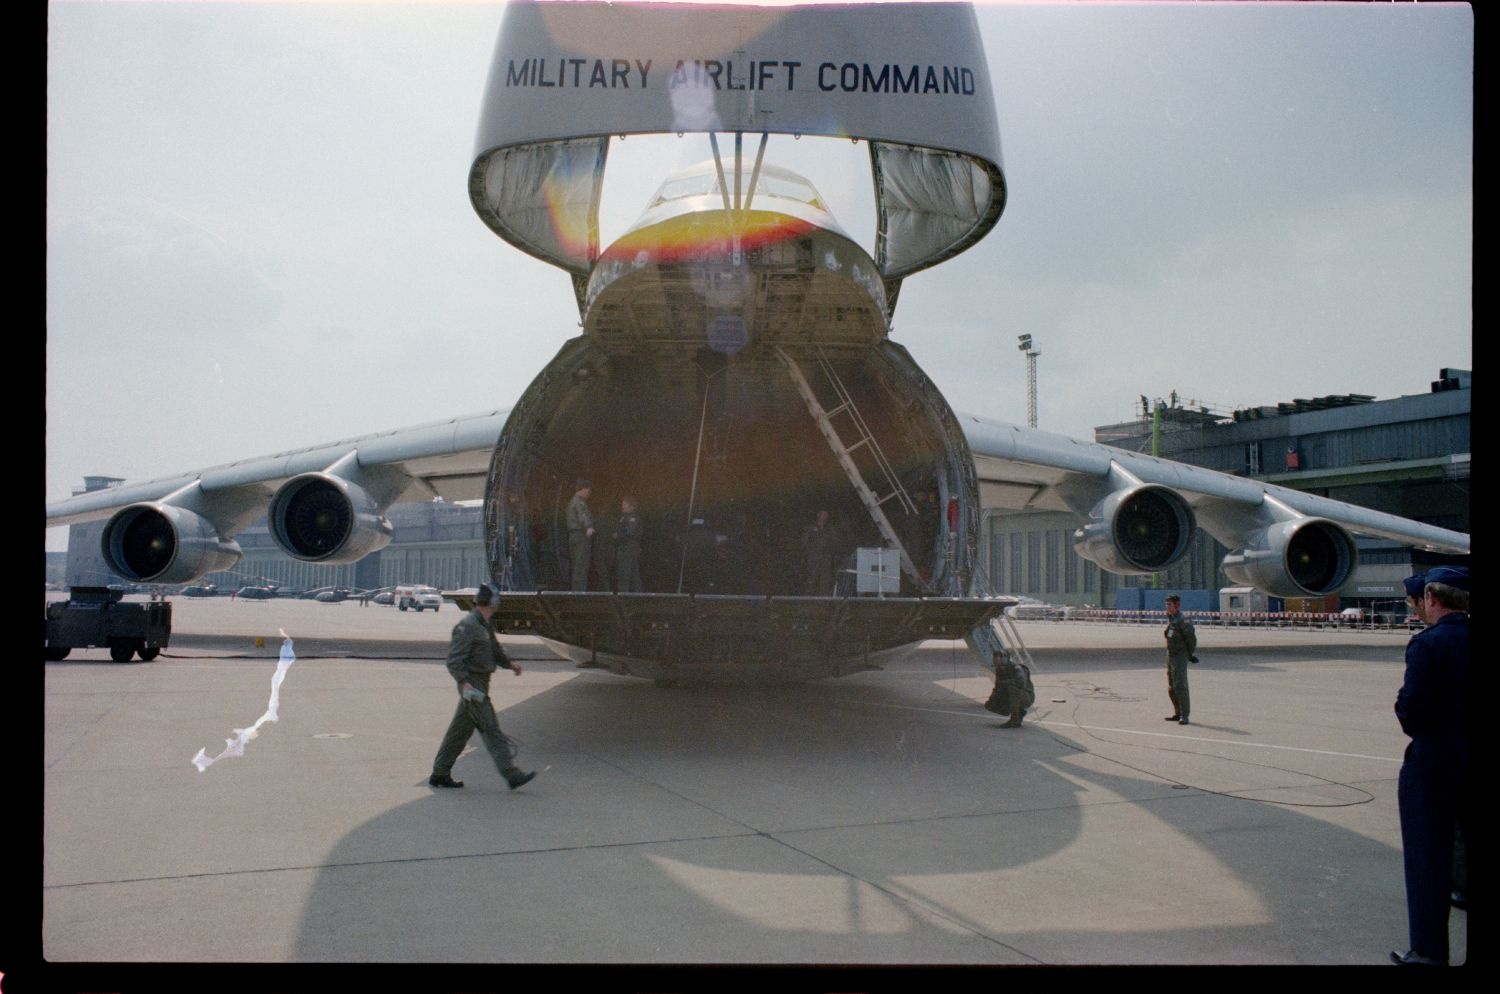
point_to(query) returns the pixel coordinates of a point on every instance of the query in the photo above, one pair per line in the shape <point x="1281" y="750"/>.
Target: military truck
<point x="96" y="616"/>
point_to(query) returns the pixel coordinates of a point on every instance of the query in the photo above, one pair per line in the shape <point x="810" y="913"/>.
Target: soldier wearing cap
<point x="580" y="534"/>
<point x="1433" y="789"/>
<point x="473" y="654"/>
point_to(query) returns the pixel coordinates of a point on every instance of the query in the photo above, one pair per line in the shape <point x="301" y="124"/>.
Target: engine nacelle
<point x="1141" y="529"/>
<point x="321" y="518"/>
<point x="1304" y="557"/>
<point x="163" y="543"/>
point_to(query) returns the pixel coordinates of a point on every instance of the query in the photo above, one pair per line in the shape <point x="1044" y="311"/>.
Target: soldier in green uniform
<point x="580" y="534"/>
<point x="818" y="541"/>
<point x="1182" y="645"/>
<point x="628" y="549"/>
<point x="1013" y="692"/>
<point x="473" y="654"/>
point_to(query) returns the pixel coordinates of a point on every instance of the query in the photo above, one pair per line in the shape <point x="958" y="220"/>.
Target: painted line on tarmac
<point x="1136" y="731"/>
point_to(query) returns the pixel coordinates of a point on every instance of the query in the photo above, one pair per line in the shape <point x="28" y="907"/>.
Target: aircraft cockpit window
<point x="766" y="185"/>
<point x="686" y="186"/>
<point x="789" y="189"/>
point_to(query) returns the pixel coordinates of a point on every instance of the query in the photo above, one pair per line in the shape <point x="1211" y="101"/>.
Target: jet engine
<point x="322" y="518"/>
<point x="163" y="543"/>
<point x="1141" y="529"/>
<point x="1302" y="557"/>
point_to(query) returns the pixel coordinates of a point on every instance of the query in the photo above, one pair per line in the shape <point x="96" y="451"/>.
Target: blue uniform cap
<point x="1453" y="576"/>
<point x="1415" y="585"/>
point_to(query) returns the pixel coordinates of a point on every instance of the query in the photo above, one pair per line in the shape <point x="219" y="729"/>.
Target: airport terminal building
<point x="1407" y="456"/>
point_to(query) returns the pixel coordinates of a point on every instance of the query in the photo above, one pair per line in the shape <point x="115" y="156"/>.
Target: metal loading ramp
<point x="734" y="636"/>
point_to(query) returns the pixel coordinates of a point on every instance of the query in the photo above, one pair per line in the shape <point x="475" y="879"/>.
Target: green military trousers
<point x="472" y="716"/>
<point x="1177" y="685"/>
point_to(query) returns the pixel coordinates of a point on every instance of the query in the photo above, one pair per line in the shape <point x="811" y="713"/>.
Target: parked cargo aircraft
<point x="735" y="374"/>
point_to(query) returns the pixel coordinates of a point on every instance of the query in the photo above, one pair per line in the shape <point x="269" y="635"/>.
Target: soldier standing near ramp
<point x="1182" y="644"/>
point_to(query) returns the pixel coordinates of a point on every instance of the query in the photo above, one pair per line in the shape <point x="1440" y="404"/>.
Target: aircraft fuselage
<point x="681" y="395"/>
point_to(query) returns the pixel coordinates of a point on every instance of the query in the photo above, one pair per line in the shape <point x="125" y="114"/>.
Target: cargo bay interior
<point x="728" y="463"/>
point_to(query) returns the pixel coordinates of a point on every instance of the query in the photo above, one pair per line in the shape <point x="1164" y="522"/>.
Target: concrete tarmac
<point x="883" y="818"/>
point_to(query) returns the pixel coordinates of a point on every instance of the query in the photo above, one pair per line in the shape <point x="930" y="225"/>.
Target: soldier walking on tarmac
<point x="473" y="654"/>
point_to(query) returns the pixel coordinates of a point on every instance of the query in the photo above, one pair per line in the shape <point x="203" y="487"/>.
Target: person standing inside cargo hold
<point x="1182" y="643"/>
<point x="818" y="543"/>
<point x="1434" y="790"/>
<point x="580" y="534"/>
<point x="628" y="549"/>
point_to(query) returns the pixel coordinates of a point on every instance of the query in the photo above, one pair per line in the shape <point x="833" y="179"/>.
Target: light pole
<point x="1031" y="355"/>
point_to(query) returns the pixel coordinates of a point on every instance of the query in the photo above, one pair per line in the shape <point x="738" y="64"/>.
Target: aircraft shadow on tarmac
<point x="864" y="820"/>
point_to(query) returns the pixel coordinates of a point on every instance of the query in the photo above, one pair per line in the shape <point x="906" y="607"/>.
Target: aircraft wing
<point x="325" y="503"/>
<point x="1140" y="511"/>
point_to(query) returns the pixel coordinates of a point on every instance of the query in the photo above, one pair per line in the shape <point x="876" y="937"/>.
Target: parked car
<point x="418" y="598"/>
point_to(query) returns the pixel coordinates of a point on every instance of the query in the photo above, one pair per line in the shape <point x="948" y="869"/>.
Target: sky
<point x="259" y="235"/>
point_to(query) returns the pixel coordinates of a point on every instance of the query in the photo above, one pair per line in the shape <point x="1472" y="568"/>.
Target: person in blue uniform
<point x="473" y="654"/>
<point x="1433" y="787"/>
<point x="1415" y="587"/>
